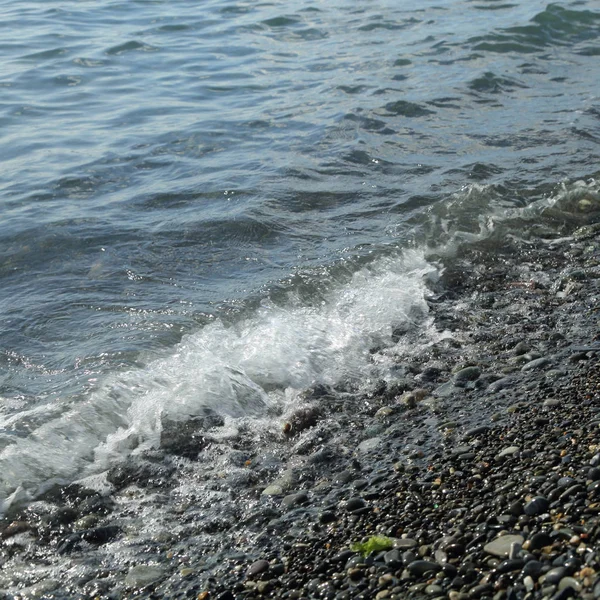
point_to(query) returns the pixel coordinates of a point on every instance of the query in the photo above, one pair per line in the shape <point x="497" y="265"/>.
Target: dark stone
<point x="594" y="489"/>
<point x="418" y="568"/>
<point x="467" y="374"/>
<point x="354" y="504"/>
<point x="97" y="536"/>
<point x="572" y="564"/>
<point x="393" y="558"/>
<point x="454" y="550"/>
<point x="343" y="556"/>
<point x="327" y="517"/>
<point x="63" y="516"/>
<point x="572" y="491"/>
<point x="142" y="473"/>
<point x="537" y="506"/>
<point x="100" y="505"/>
<point x="512" y="564"/>
<point x="185" y="438"/>
<point x="476" y="432"/>
<point x="563" y="594"/>
<point x="450" y="570"/>
<point x="516" y="508"/>
<point x="258" y="567"/>
<point x="594" y="474"/>
<point x="295" y="499"/>
<point x="539" y="540"/>
<point x="482" y="589"/>
<point x="555" y="575"/>
<point x="533" y="568"/>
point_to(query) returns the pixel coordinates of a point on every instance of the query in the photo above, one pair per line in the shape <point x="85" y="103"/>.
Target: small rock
<point x="418" y="568"/>
<point x="528" y="583"/>
<point x="142" y="576"/>
<point x="537" y="363"/>
<point x="569" y="582"/>
<point x="327" y="517"/>
<point x="467" y="374"/>
<point x="551" y="403"/>
<point x="369" y="444"/>
<point x="353" y="504"/>
<point x="512" y="564"/>
<point x="537" y="506"/>
<point x="500" y="547"/>
<point x="295" y="499"/>
<point x="258" y="567"/>
<point x="510" y="451"/>
<point x="476" y="432"/>
<point x="539" y="540"/>
<point x="384" y="412"/>
<point x="555" y="575"/>
<point x="393" y="558"/>
<point x="405" y="543"/>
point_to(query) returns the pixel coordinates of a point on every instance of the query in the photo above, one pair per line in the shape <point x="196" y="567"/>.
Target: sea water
<point x="211" y="206"/>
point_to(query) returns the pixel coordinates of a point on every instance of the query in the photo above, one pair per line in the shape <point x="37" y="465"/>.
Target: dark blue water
<point x="220" y="203"/>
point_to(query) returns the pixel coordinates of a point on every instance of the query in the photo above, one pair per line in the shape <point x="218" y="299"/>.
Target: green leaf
<point x="375" y="543"/>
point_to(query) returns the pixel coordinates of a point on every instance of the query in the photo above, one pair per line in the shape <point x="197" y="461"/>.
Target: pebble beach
<point x="474" y="474"/>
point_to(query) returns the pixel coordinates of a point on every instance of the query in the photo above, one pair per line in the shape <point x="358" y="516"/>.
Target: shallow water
<point x="216" y="206"/>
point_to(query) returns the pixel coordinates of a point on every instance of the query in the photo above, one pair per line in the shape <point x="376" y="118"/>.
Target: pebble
<point x="353" y="504"/>
<point x="537" y="506"/>
<point x="539" y="540"/>
<point x="528" y="583"/>
<point x="405" y="543"/>
<point x="500" y="547"/>
<point x="384" y="412"/>
<point x="476" y="432"/>
<point x="327" y="517"/>
<point x="510" y="451"/>
<point x="569" y="582"/>
<point x="294" y="499"/>
<point x="537" y="363"/>
<point x="512" y="564"/>
<point x="555" y="575"/>
<point x="258" y="567"/>
<point x="418" y="568"/>
<point x="551" y="403"/>
<point x="369" y="445"/>
<point x="141" y="576"/>
<point x="273" y="490"/>
<point x="393" y="558"/>
<point x="467" y="374"/>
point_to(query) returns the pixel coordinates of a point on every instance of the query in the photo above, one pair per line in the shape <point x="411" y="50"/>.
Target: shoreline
<point x="488" y="433"/>
<point x="504" y="502"/>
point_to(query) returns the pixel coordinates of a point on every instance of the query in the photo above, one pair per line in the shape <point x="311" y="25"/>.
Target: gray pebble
<point x="467" y="374"/>
<point x="258" y="567"/>
<point x="537" y="506"/>
<point x="501" y="545"/>
<point x="555" y="575"/>
<point x="418" y="568"/>
<point x="537" y="363"/>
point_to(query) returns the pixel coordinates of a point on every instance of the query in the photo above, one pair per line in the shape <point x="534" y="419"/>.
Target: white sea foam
<point x="237" y="371"/>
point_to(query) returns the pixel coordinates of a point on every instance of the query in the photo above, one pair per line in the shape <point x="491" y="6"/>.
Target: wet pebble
<point x="418" y="568"/>
<point x="141" y="576"/>
<point x="500" y="547"/>
<point x="258" y="567"/>
<point x="537" y="506"/>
